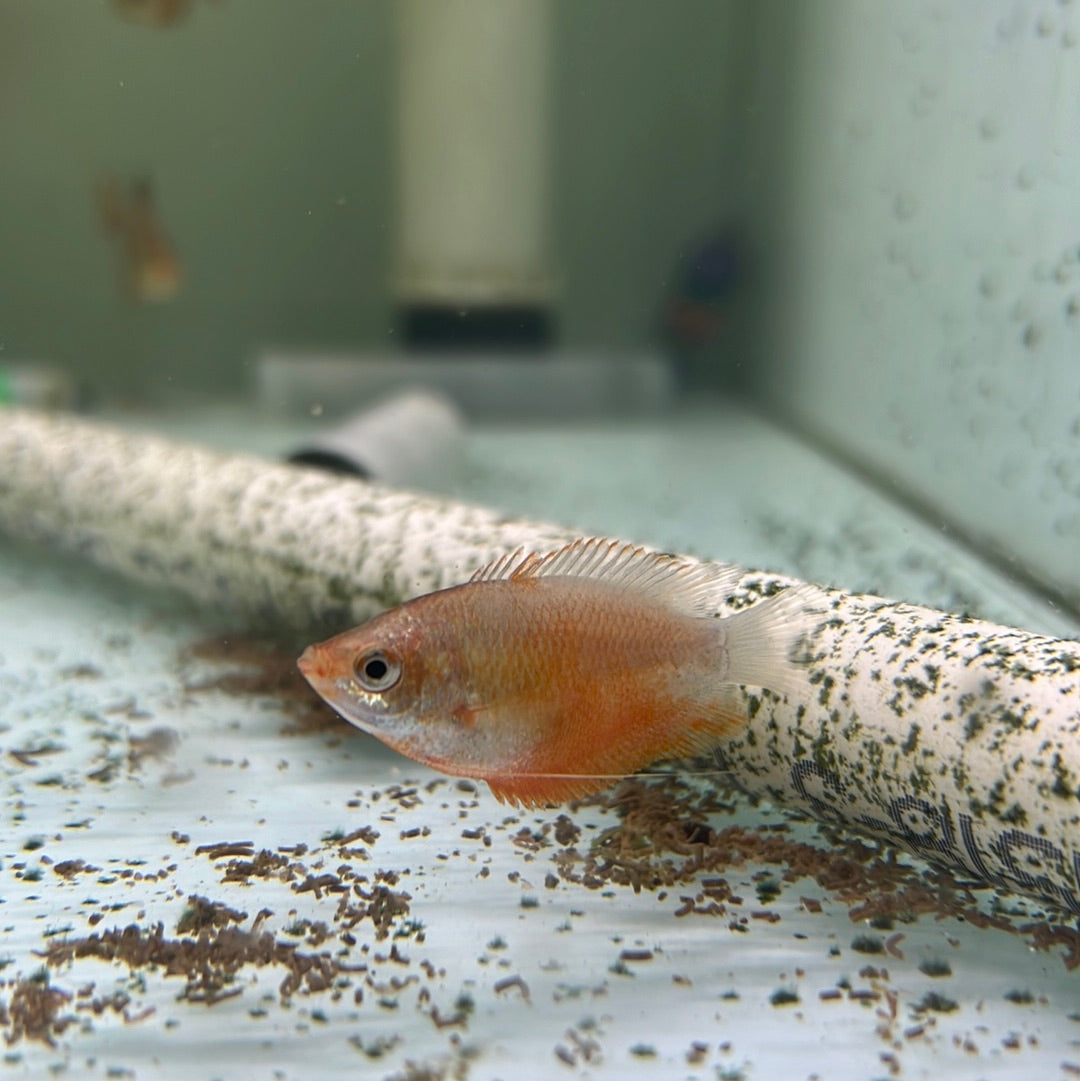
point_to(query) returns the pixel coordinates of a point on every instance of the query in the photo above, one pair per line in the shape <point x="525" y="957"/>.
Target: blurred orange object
<point x="151" y="267"/>
<point x="154" y="12"/>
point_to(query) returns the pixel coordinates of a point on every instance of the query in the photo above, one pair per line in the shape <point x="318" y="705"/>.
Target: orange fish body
<point x="547" y="676"/>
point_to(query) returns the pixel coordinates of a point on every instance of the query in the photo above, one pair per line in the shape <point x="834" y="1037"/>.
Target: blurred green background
<point x="267" y="127"/>
<point x="902" y="179"/>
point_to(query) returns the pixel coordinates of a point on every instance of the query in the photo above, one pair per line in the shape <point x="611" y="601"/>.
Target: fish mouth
<point x="321" y="668"/>
<point x="313" y="664"/>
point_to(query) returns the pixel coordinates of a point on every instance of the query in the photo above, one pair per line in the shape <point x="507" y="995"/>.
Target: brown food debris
<point x="697" y="1053"/>
<point x="318" y="883"/>
<point x="567" y="831"/>
<point x="663" y="839"/>
<point x="103" y="774"/>
<point x="263" y="668"/>
<point x="892" y="945"/>
<point x="71" y="868"/>
<point x="365" y="833"/>
<point x="262" y="865"/>
<point x="220" y="849"/>
<point x="209" y="963"/>
<point x="891" y="1061"/>
<point x="28" y="756"/>
<point x="34" y="1011"/>
<point x="81" y="671"/>
<point x="383" y="907"/>
<point x="513" y="981"/>
<point x="201" y="914"/>
<point x="1046" y="936"/>
<point x="156" y="743"/>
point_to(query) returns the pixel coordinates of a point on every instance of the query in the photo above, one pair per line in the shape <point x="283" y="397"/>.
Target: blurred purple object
<point x="711" y="272"/>
<point x="695" y="314"/>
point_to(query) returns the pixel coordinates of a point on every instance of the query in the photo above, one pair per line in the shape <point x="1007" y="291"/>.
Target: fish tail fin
<point x="768" y="645"/>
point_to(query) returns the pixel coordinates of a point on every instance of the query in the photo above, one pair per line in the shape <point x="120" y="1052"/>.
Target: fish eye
<point x="377" y="670"/>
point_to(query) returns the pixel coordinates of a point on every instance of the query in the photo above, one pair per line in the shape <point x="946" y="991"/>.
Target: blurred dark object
<point x="512" y="329"/>
<point x="696" y="318"/>
<point x="415" y="437"/>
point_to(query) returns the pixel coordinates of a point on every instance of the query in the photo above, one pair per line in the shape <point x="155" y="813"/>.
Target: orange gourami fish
<point x="151" y="267"/>
<point x="550" y="675"/>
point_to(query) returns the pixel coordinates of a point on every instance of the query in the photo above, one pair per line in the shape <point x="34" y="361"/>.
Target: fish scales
<point x="614" y="679"/>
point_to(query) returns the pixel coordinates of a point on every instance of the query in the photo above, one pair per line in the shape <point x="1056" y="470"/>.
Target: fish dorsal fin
<point x="694" y="588"/>
<point x="499" y="568"/>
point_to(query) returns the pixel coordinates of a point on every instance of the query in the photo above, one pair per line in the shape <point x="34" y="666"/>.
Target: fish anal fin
<point x="700" y="728"/>
<point x="701" y="733"/>
<point x="536" y="790"/>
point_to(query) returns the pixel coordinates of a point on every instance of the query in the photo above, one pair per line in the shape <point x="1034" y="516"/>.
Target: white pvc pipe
<point x="955" y="738"/>
<point x="473" y="151"/>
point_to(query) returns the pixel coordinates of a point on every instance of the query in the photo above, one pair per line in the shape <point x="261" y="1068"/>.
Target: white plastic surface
<point x="90" y="669"/>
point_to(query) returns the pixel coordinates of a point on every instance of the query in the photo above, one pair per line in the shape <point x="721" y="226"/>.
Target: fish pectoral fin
<point x="467" y="713"/>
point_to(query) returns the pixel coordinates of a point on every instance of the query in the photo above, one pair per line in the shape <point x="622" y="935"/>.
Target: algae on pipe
<point x="955" y="738"/>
